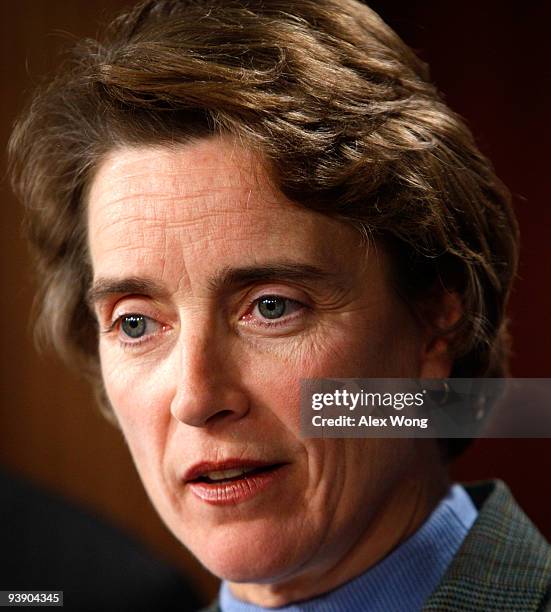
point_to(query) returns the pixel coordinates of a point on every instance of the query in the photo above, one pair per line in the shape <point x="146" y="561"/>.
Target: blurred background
<point x="490" y="59"/>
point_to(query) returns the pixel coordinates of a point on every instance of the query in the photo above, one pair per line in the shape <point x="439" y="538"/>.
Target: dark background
<point x="491" y="60"/>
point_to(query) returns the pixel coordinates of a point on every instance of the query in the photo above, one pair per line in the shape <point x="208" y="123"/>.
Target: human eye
<point x="271" y="311"/>
<point x="134" y="328"/>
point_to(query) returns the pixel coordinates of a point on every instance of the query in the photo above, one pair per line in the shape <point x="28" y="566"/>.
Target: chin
<point x="247" y="554"/>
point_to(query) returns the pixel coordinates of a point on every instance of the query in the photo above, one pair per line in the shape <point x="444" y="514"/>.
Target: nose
<point x="208" y="386"/>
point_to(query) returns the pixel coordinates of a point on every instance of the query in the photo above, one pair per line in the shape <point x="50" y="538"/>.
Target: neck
<point x="404" y="510"/>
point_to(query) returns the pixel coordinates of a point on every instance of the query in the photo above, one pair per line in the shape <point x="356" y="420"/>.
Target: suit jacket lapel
<point x="503" y="564"/>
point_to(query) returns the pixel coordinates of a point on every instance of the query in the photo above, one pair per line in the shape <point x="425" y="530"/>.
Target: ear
<point x="439" y="316"/>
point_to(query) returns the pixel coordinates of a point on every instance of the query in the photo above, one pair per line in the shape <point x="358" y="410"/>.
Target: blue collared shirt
<point x="403" y="580"/>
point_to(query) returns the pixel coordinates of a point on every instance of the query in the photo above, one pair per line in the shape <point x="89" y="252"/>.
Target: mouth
<point x="232" y="482"/>
<point x="232" y="475"/>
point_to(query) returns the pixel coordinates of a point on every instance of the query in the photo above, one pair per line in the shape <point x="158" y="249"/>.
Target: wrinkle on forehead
<point x="135" y="167"/>
<point x="183" y="185"/>
<point x="161" y="210"/>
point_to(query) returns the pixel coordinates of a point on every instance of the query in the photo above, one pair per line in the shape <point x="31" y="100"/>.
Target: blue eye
<point x="272" y="310"/>
<point x="134" y="326"/>
<point x="272" y="306"/>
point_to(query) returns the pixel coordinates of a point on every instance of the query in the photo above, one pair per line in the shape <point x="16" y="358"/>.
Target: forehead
<point x="153" y="211"/>
<point x="184" y="185"/>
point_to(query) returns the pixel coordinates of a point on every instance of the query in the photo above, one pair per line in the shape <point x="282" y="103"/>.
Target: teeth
<point x="223" y="474"/>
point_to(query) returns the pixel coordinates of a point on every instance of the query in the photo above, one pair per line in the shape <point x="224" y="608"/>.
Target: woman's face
<point x="215" y="296"/>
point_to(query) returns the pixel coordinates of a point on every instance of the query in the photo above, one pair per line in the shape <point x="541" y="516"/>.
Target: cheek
<point x="345" y="475"/>
<point x="273" y="375"/>
<point x="384" y="343"/>
<point x="141" y="404"/>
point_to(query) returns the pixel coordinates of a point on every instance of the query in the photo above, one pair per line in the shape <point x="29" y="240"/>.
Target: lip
<point x="201" y="468"/>
<point x="235" y="491"/>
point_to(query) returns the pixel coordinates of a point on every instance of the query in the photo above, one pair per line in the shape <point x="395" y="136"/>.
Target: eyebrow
<point x="104" y="287"/>
<point x="224" y="280"/>
<point x="229" y="278"/>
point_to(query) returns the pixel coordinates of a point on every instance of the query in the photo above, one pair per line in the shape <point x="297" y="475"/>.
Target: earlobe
<point x="437" y="361"/>
<point x="441" y="320"/>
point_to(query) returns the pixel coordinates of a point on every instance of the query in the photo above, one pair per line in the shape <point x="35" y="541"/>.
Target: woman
<point x="229" y="197"/>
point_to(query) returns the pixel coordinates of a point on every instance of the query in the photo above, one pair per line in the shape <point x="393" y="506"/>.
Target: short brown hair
<point x="338" y="105"/>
